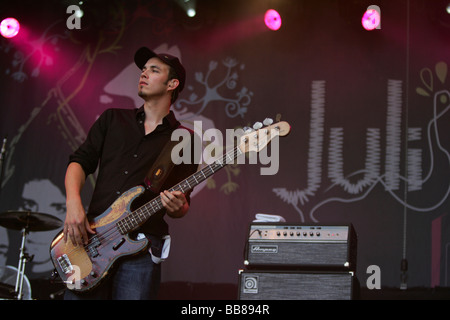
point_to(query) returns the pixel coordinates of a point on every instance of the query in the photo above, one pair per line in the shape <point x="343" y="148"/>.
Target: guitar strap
<point x="163" y="165"/>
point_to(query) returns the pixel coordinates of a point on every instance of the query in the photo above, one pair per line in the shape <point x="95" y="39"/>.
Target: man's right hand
<point x="76" y="225"/>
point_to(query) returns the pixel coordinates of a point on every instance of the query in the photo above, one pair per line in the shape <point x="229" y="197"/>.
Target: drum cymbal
<point x="32" y="221"/>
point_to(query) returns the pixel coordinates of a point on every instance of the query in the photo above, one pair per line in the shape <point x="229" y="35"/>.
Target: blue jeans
<point x="133" y="278"/>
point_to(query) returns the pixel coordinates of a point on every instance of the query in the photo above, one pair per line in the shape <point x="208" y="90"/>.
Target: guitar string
<point x="114" y="230"/>
<point x="206" y="172"/>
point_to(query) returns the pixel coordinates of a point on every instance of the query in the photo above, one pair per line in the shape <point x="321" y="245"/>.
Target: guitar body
<point x="83" y="267"/>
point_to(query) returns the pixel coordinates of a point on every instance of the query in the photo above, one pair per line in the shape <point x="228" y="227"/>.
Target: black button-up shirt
<point x="118" y="145"/>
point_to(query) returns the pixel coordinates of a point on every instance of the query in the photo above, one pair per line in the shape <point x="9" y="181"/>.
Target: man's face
<point x="153" y="80"/>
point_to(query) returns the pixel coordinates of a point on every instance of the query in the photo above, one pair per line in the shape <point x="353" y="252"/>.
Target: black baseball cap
<point x="143" y="54"/>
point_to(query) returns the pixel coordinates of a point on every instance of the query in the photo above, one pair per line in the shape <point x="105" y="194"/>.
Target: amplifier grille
<point x="275" y="285"/>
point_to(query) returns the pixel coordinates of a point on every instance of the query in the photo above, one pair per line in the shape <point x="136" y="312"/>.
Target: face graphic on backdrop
<point x="44" y="197"/>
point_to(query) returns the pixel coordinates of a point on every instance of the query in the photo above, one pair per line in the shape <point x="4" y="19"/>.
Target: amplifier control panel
<point x="263" y="232"/>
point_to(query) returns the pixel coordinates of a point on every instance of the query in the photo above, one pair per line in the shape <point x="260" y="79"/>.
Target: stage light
<point x="9" y="27"/>
<point x="188" y="6"/>
<point x="191" y="12"/>
<point x="272" y="19"/>
<point x="79" y="13"/>
<point x="371" y="18"/>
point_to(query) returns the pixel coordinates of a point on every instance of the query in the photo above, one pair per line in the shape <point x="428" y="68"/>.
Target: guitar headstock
<point x="258" y="137"/>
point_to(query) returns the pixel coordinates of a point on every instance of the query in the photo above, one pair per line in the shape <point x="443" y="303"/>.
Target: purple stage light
<point x="9" y="27"/>
<point x="371" y="19"/>
<point x="272" y="19"/>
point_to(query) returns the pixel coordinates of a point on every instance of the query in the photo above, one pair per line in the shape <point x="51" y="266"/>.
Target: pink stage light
<point x="371" y="19"/>
<point x="272" y="19"/>
<point x="9" y="27"/>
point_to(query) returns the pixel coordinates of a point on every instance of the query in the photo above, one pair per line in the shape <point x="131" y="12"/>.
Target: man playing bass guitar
<point x="123" y="144"/>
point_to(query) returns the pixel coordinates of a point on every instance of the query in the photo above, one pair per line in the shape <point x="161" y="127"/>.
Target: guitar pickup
<point x="65" y="264"/>
<point x="92" y="247"/>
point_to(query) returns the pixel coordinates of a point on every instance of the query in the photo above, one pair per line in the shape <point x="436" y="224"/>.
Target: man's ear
<point x="173" y="84"/>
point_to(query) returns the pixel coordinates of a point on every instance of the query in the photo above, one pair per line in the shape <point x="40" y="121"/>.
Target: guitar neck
<point x="143" y="213"/>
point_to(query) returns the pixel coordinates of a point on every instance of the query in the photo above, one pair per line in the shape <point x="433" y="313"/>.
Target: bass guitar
<point x="82" y="268"/>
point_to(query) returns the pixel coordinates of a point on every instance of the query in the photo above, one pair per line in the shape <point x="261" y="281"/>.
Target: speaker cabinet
<point x="293" y="285"/>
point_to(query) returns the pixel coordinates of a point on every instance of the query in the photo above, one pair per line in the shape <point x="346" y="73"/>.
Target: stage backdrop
<point x="369" y="141"/>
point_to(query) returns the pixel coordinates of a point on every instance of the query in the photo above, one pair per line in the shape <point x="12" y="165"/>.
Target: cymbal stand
<point x="23" y="258"/>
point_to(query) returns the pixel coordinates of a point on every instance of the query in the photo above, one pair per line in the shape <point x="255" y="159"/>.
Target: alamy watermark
<point x="257" y="147"/>
<point x="74" y="280"/>
<point x="374" y="280"/>
<point x="74" y="20"/>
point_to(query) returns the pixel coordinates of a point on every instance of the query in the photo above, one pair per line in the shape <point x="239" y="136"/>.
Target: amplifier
<point x="282" y="245"/>
<point x="278" y="285"/>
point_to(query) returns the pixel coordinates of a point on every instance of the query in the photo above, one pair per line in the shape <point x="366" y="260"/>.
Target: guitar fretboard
<point x="143" y="213"/>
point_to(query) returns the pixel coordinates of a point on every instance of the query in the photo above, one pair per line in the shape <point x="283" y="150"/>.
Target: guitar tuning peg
<point x="268" y="121"/>
<point x="257" y="125"/>
<point x="278" y="118"/>
<point x="247" y="129"/>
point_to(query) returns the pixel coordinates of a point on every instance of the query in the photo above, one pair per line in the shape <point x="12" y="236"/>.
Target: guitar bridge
<point x="65" y="264"/>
